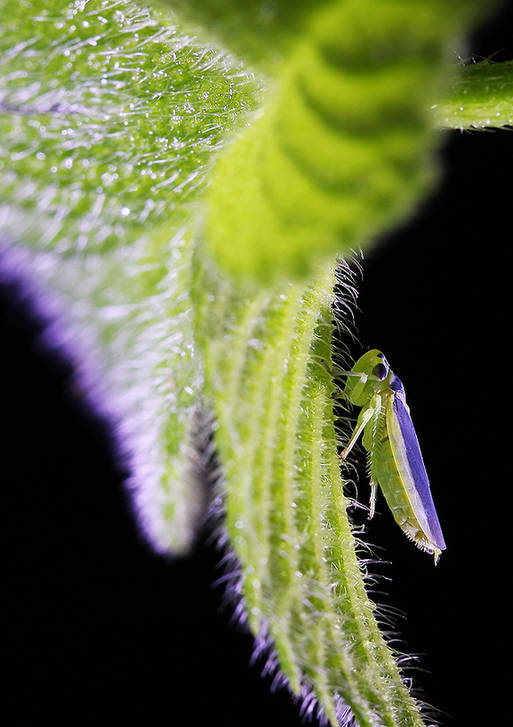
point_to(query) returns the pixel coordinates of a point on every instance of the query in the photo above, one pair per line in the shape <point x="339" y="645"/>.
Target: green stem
<point x="479" y="97"/>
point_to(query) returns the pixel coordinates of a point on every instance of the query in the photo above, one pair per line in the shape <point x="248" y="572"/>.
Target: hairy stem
<point x="479" y="97"/>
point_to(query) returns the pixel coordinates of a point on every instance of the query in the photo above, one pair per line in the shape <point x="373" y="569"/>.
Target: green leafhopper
<point x="395" y="459"/>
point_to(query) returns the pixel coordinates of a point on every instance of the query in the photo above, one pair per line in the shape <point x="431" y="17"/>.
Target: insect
<point x="395" y="459"/>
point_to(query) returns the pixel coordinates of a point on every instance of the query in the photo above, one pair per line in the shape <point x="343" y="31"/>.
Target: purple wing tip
<point x="419" y="473"/>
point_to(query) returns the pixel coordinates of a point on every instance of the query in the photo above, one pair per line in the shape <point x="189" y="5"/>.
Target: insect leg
<point x="371" y="444"/>
<point x="364" y="418"/>
<point x="372" y="504"/>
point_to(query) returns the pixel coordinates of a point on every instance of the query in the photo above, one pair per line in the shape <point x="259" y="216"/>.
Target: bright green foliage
<point x="265" y="33"/>
<point x="343" y="148"/>
<point x="136" y="352"/>
<point x="479" y="97"/>
<point x="108" y="118"/>
<point x="286" y="510"/>
<point x="262" y="33"/>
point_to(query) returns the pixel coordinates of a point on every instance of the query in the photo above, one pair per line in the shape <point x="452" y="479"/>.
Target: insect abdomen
<point x="396" y="495"/>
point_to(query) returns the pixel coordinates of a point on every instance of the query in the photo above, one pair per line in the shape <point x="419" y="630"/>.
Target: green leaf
<point x="343" y="148"/>
<point x="267" y="377"/>
<point x="109" y="116"/>
<point x="262" y="33"/>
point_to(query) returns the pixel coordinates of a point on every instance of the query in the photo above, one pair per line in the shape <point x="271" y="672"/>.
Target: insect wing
<point x="408" y="457"/>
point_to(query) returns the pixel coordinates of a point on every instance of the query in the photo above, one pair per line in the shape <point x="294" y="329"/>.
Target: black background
<point x="98" y="626"/>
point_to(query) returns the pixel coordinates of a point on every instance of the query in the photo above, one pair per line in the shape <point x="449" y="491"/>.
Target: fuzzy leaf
<point x="108" y="118"/>
<point x="267" y="377"/>
<point x="343" y="148"/>
<point x="262" y="33"/>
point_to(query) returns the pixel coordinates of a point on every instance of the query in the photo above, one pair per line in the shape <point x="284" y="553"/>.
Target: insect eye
<point x="381" y="371"/>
